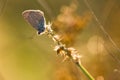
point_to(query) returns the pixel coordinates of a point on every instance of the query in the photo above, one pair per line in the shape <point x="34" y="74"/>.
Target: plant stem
<point x="76" y="61"/>
<point x="88" y="75"/>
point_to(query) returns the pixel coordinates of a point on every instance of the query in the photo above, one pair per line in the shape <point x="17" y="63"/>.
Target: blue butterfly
<point x="36" y="19"/>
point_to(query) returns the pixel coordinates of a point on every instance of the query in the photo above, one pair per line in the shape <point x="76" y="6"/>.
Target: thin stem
<point x="88" y="75"/>
<point x="68" y="53"/>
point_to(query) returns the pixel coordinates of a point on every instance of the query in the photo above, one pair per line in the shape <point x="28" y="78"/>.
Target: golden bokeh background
<point x="26" y="56"/>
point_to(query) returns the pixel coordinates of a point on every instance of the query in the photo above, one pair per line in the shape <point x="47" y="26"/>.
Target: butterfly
<point x="36" y="19"/>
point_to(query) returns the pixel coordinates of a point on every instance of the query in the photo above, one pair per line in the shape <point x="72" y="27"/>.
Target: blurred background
<point x="90" y="26"/>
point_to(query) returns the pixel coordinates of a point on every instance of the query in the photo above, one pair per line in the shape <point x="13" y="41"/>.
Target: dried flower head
<point x="60" y="49"/>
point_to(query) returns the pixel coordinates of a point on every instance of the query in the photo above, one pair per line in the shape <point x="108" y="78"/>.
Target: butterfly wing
<point x="36" y="19"/>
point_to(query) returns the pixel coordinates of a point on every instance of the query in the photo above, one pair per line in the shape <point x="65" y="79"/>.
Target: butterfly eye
<point x="36" y="19"/>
